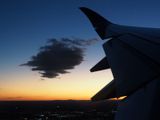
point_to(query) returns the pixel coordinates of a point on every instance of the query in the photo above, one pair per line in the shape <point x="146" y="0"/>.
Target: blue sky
<point x="26" y="25"/>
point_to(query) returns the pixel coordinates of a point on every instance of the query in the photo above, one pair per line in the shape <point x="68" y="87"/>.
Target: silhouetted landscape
<point x="57" y="110"/>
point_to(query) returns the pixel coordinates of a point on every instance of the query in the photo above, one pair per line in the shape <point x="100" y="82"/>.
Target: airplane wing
<point x="101" y="65"/>
<point x="99" y="23"/>
<point x="133" y="54"/>
<point x="109" y="91"/>
<point x="131" y="67"/>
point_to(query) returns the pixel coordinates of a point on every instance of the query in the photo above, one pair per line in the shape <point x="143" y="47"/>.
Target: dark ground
<point x="57" y="110"/>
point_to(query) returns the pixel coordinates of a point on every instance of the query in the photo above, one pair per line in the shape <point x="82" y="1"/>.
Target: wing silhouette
<point x="132" y="53"/>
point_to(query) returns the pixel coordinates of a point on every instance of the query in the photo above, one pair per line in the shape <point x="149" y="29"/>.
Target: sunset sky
<point x="26" y="25"/>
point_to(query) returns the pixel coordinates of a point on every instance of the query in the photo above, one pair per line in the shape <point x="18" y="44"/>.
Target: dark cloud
<point x="59" y="56"/>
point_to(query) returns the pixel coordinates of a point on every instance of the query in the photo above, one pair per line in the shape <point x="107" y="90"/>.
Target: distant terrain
<point x="30" y="110"/>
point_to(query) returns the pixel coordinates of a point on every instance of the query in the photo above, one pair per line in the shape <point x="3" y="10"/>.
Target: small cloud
<point x="12" y="98"/>
<point x="59" y="56"/>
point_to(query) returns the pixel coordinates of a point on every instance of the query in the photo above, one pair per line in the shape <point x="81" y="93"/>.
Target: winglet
<point x="99" y="23"/>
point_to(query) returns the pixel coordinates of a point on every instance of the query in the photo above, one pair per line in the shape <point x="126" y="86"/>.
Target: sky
<point x="27" y="25"/>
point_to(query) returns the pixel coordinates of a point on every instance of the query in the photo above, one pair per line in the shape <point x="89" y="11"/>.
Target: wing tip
<point x="99" y="23"/>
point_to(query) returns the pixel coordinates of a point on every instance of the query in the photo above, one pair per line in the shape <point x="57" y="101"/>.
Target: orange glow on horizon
<point x="78" y="85"/>
<point x="120" y="98"/>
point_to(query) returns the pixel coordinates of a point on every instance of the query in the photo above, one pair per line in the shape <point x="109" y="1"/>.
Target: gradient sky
<point x="26" y="25"/>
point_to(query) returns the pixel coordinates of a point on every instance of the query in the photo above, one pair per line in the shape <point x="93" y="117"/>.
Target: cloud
<point x="18" y="97"/>
<point x="59" y="56"/>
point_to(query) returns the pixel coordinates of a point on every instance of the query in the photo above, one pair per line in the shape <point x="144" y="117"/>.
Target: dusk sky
<point x="26" y="25"/>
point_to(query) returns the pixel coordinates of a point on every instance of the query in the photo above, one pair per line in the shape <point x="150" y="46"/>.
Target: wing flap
<point x="101" y="65"/>
<point x="145" y="46"/>
<point x="109" y="91"/>
<point x="130" y="69"/>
